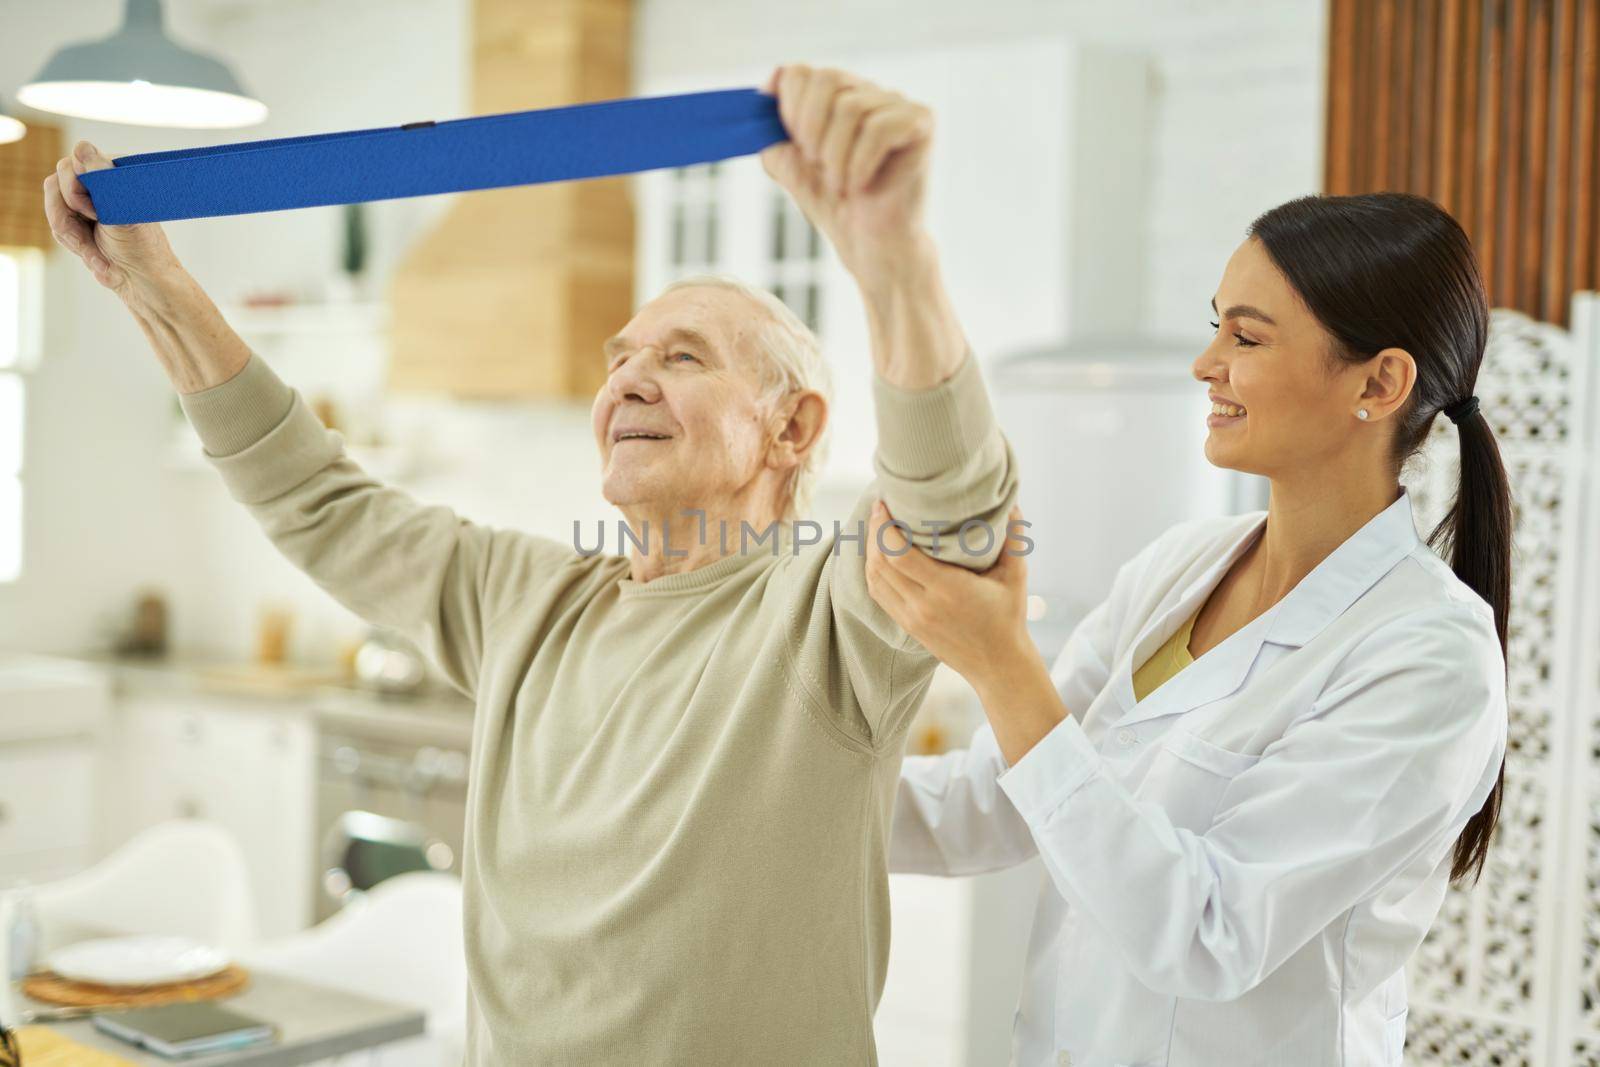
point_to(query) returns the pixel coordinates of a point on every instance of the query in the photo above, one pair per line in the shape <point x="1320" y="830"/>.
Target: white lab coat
<point x="1241" y="863"/>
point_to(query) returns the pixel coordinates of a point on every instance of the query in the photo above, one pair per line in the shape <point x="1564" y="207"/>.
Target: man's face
<point x="680" y="421"/>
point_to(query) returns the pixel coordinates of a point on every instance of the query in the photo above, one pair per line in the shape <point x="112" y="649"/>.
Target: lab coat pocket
<point x="1187" y="777"/>
<point x="1394" y="1034"/>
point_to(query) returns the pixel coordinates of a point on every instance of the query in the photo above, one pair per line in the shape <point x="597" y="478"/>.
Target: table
<point x="313" y="1023"/>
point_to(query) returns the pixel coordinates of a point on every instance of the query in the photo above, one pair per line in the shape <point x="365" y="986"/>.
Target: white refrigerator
<point x="1110" y="440"/>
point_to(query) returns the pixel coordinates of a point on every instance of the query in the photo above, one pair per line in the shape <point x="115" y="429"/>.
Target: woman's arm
<point x="1382" y="772"/>
<point x="951" y="817"/>
<point x="1399" y="750"/>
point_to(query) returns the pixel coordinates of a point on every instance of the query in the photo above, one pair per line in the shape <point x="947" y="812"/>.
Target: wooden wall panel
<point x="1446" y="119"/>
<point x="1341" y="96"/>
<point x="513" y="293"/>
<point x="24" y="165"/>
<point x="1489" y="107"/>
<point x="1586" y="146"/>
<point x="1557" y="229"/>
<point x="1418" y="153"/>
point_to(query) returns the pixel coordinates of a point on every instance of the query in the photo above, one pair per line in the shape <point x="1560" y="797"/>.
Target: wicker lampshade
<point x="24" y="165"/>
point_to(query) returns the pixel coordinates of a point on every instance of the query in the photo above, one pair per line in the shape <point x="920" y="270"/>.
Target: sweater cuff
<point x="241" y="411"/>
<point x="259" y="434"/>
<point x="923" y="433"/>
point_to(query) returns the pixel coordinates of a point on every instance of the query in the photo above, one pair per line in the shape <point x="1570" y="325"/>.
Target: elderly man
<point x="683" y="759"/>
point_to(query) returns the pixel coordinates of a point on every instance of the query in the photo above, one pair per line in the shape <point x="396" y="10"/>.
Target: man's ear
<point x="796" y="427"/>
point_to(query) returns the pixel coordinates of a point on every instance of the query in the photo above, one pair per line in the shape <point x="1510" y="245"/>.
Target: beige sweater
<point x="680" y="789"/>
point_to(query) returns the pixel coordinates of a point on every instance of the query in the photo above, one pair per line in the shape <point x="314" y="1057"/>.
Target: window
<point x="693" y="247"/>
<point x="21" y="275"/>
<point x="794" y="255"/>
<point x="729" y="217"/>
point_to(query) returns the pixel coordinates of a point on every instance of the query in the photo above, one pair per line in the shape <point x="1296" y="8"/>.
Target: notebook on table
<point x="177" y="1030"/>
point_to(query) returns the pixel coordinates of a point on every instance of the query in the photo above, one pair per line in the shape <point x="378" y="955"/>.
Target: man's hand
<point x="856" y="163"/>
<point x="119" y="257"/>
<point x="189" y="335"/>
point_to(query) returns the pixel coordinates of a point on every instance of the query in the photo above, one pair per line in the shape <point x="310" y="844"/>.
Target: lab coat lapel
<point x="1215" y="677"/>
<point x="1319" y="598"/>
<point x="1350" y="570"/>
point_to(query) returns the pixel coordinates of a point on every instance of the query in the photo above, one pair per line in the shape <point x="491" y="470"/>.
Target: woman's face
<point x="1290" y="405"/>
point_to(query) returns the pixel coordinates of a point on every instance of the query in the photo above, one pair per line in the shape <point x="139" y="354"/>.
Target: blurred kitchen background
<point x="1095" y="165"/>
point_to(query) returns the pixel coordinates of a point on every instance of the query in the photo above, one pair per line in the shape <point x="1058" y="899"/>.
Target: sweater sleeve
<point x="941" y="464"/>
<point x="417" y="569"/>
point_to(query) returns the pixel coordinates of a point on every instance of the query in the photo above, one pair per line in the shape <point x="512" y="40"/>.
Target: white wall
<point x="105" y="514"/>
<point x="99" y="516"/>
<point x="1236" y="129"/>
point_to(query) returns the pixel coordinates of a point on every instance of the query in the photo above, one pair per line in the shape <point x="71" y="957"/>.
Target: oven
<point x="391" y="798"/>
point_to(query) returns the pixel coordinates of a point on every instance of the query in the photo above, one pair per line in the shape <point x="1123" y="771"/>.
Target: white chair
<point x="400" y="942"/>
<point x="183" y="878"/>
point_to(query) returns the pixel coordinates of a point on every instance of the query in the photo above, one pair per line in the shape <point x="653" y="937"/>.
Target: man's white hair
<point x="790" y="360"/>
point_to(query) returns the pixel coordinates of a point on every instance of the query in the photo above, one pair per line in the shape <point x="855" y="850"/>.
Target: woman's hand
<point x="119" y="257"/>
<point x="856" y="163"/>
<point x="976" y="624"/>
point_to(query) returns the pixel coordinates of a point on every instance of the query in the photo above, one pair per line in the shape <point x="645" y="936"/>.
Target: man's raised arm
<point x="420" y="570"/>
<point x="857" y="165"/>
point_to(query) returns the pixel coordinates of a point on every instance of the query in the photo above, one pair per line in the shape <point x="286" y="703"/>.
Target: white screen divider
<point x="1509" y="976"/>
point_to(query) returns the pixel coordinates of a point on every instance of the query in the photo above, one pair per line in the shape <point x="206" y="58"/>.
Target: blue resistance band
<point x="421" y="158"/>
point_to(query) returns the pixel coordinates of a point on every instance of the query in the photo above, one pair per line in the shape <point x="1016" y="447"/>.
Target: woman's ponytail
<point x="1385" y="270"/>
<point x="1475" y="536"/>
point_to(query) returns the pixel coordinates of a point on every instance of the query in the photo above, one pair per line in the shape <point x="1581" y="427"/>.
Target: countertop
<point x="435" y="715"/>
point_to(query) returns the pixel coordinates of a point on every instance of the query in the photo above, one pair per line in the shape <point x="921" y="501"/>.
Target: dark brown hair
<point x="1393" y="270"/>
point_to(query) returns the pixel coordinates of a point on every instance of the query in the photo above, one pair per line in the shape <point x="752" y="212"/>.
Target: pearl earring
<point x="1362" y="414"/>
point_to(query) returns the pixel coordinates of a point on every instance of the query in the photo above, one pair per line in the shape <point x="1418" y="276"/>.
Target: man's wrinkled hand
<point x="117" y="256"/>
<point x="856" y="163"/>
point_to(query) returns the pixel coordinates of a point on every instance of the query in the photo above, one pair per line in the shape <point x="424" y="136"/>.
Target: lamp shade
<point x="10" y="128"/>
<point x="139" y="76"/>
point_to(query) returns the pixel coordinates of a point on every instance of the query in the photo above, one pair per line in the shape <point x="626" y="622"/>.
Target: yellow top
<point x="1165" y="661"/>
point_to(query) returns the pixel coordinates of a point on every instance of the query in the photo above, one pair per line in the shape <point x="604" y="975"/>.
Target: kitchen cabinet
<point x="52" y="715"/>
<point x="246" y="765"/>
<point x="46" y="809"/>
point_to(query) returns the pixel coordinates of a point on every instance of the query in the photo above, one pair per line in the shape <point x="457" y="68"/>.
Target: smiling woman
<point x="1255" y="767"/>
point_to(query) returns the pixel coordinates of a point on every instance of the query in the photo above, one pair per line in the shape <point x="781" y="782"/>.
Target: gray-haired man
<point x="682" y="764"/>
